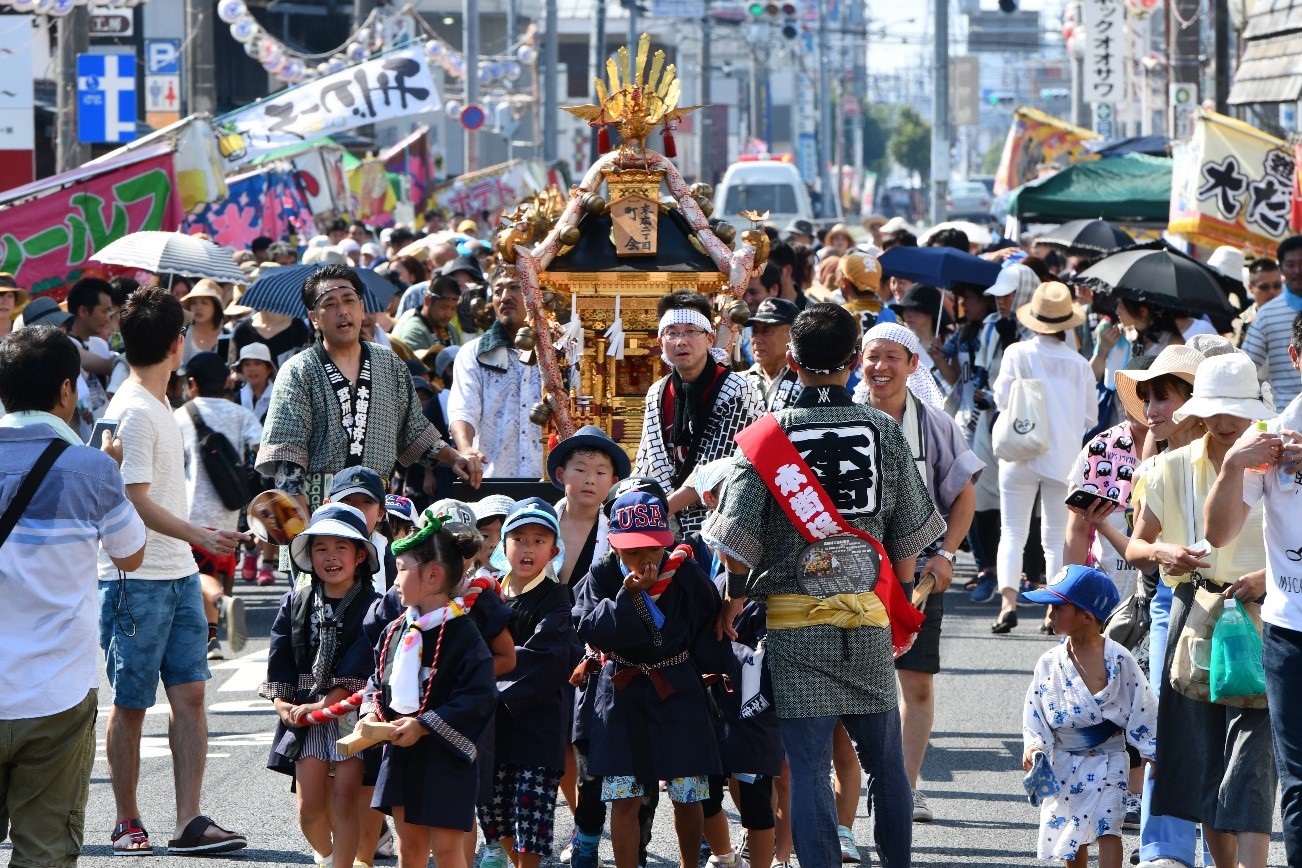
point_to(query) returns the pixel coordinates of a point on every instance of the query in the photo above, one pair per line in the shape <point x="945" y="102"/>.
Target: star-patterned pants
<point x="522" y="807"/>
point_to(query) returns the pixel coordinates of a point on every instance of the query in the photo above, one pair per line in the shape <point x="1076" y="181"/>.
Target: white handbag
<point x="1022" y="430"/>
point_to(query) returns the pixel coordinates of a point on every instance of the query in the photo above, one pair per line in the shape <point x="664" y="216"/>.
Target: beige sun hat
<point x="1228" y="385"/>
<point x="204" y="288"/>
<point x="1178" y="361"/>
<point x="1051" y="310"/>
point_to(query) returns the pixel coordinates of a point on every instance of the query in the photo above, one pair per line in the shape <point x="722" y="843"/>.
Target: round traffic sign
<point x="473" y="117"/>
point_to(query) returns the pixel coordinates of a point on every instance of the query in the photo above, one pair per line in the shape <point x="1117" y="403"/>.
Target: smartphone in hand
<point x="1085" y="499"/>
<point x="97" y="434"/>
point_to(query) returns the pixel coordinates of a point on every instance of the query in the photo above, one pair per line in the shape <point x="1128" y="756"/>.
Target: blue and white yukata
<point x="1085" y="737"/>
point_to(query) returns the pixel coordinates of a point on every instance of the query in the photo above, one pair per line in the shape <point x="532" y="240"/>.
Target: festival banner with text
<point x="1232" y="184"/>
<point x="494" y="188"/>
<point x="1036" y="139"/>
<point x="391" y="86"/>
<point x="46" y="242"/>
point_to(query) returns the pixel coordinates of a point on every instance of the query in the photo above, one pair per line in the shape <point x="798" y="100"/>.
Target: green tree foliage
<point x="911" y="144"/>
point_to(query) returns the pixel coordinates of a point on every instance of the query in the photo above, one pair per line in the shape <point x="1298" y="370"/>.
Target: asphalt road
<point x="972" y="774"/>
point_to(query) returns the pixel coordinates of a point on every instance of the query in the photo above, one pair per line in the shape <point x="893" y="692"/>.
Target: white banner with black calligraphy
<point x="397" y="84"/>
<point x="1105" y="50"/>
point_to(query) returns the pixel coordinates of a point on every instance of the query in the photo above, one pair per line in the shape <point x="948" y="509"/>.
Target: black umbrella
<point x="1089" y="237"/>
<point x="280" y="290"/>
<point x="1156" y="273"/>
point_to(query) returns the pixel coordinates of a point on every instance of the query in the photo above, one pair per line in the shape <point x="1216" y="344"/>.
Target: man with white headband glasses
<point x="692" y="414"/>
<point x="950" y="469"/>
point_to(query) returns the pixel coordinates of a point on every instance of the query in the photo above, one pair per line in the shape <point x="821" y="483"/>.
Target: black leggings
<point x="755" y="801"/>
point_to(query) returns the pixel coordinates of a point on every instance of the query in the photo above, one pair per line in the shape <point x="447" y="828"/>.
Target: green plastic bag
<point x="1236" y="668"/>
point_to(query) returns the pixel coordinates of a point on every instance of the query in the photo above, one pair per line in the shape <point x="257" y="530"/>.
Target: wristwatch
<point x="949" y="556"/>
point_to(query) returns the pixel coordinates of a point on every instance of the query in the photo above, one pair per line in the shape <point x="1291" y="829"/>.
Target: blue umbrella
<point x="280" y="290"/>
<point x="938" y="266"/>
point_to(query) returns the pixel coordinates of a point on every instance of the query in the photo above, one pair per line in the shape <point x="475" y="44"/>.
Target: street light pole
<point x="551" y="51"/>
<point x="598" y="62"/>
<point x="827" y="134"/>
<point x="470" y="51"/>
<point x="704" y="168"/>
<point x="940" y="113"/>
<point x="201" y="70"/>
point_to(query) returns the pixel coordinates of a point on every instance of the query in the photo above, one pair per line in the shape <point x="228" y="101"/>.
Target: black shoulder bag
<point x="27" y="490"/>
<point x="225" y="466"/>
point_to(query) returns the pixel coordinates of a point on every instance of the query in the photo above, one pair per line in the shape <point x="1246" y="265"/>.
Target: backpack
<point x="224" y="466"/>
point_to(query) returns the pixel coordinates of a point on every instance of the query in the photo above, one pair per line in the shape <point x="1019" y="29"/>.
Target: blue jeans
<point x="876" y="737"/>
<point x="1162" y="837"/>
<point x="152" y="628"/>
<point x="1283" y="657"/>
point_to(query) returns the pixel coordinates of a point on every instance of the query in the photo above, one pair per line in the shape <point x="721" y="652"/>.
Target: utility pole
<point x="859" y="81"/>
<point x="827" y="135"/>
<point x="1184" y="39"/>
<point x="551" y="62"/>
<point x="200" y="68"/>
<point x="632" y="27"/>
<point x="1221" y="49"/>
<point x="704" y="169"/>
<point x="470" y="50"/>
<point x="597" y="61"/>
<point x="73" y="39"/>
<point x="940" y="113"/>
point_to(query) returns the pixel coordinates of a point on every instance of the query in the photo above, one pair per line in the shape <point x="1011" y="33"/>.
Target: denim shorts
<point x="150" y="628"/>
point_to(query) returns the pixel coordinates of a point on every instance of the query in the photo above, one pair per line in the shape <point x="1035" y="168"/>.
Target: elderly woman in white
<point x="1069" y="411"/>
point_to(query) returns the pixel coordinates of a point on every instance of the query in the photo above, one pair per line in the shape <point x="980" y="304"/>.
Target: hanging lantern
<point x="244" y="29"/>
<point x="293" y="71"/>
<point x="231" y="11"/>
<point x="356" y="52"/>
<point x="452" y="108"/>
<point x="253" y="48"/>
<point x="336" y="64"/>
<point x="527" y="54"/>
<point x="433" y="49"/>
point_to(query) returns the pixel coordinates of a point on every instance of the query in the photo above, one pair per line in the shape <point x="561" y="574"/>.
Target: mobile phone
<point x="1085" y="499"/>
<point x="97" y="434"/>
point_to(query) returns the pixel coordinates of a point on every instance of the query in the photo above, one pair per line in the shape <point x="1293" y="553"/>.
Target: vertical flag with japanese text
<point x="1232" y="184"/>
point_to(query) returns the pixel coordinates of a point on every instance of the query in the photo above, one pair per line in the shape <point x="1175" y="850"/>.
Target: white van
<point x="762" y="185"/>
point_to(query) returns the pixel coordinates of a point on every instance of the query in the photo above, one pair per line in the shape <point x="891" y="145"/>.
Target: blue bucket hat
<point x="1085" y="588"/>
<point x="531" y="510"/>
<point x="333" y="519"/>
<point x="587" y="437"/>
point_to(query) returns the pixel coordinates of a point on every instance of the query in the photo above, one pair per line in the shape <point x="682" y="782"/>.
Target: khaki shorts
<point x="45" y="765"/>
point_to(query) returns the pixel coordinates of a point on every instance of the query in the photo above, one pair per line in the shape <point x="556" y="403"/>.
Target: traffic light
<point x="1008" y="6"/>
<point x="790" y="25"/>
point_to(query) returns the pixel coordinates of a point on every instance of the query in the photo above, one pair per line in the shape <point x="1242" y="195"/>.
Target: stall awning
<point x="1271" y="68"/>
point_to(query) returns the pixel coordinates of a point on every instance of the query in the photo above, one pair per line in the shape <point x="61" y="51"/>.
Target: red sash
<point x="787" y="475"/>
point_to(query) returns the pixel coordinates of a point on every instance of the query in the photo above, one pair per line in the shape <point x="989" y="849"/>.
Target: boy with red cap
<point x="650" y="613"/>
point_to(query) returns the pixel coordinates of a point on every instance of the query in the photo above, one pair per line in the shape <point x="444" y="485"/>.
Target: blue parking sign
<point x="162" y="57"/>
<point x="106" y="98"/>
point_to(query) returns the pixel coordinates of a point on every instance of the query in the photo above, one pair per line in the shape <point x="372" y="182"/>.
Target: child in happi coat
<point x="532" y="716"/>
<point x="651" y="614"/>
<point x="1088" y="699"/>
<point x="750" y="747"/>
<point x="319" y="655"/>
<point x="434" y="678"/>
<point x="490" y="512"/>
<point x="480" y="595"/>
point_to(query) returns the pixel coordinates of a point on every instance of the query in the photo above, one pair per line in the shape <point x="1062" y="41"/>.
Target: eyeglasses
<point x="1274" y="284"/>
<point x="184" y="329"/>
<point x="681" y="334"/>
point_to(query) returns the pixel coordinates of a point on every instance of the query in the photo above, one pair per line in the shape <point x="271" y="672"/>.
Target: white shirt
<point x="152" y="453"/>
<point x="496" y="402"/>
<point x="1283" y="605"/>
<point x="1069" y="397"/>
<point x="241" y="428"/>
<point x="1201" y="326"/>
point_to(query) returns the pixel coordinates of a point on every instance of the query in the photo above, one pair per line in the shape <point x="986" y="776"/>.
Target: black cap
<point x="800" y="227"/>
<point x="634" y="483"/>
<point x="775" y="311"/>
<point x="208" y="370"/>
<point x="925" y="299"/>
<point x="468" y="264"/>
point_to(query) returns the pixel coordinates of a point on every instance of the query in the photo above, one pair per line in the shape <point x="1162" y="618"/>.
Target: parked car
<point x="763" y="185"/>
<point x="968" y="200"/>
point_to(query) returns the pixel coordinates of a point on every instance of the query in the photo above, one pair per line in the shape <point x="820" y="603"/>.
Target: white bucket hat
<point x="1228" y="385"/>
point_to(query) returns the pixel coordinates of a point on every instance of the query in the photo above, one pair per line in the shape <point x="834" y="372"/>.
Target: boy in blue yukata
<point x="1088" y="699"/>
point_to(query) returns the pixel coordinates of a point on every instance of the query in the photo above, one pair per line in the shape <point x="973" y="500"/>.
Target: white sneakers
<point x="921" y="813"/>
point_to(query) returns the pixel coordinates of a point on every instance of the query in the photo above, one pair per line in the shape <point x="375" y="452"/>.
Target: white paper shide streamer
<point x="615" y="334"/>
<point x="571" y="339"/>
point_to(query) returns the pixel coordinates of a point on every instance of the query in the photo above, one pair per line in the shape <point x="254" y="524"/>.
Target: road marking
<point x="250" y="672"/>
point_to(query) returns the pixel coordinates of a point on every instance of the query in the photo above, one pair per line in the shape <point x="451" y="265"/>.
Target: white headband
<point x="921" y="383"/>
<point x="684" y="316"/>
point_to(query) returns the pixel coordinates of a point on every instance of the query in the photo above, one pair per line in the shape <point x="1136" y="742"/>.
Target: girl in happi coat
<point x="319" y="655"/>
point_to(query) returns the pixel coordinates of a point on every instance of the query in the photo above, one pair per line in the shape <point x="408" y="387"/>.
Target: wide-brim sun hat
<point x="1228" y="386"/>
<point x="1176" y="361"/>
<point x="205" y="288"/>
<point x="587" y="437"/>
<point x="333" y="519"/>
<point x="1051" y="310"/>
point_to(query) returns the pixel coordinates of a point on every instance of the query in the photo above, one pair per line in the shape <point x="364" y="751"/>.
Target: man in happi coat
<point x="345" y="402"/>
<point x="493" y="390"/>
<point x="692" y="414"/>
<point x="829" y="665"/>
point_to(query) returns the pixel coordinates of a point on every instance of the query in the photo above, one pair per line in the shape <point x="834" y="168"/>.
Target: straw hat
<point x="1228" y="385"/>
<point x="1178" y="361"/>
<point x="9" y="285"/>
<point x="1051" y="310"/>
<point x="838" y="229"/>
<point x="861" y="270"/>
<point x="205" y="288"/>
